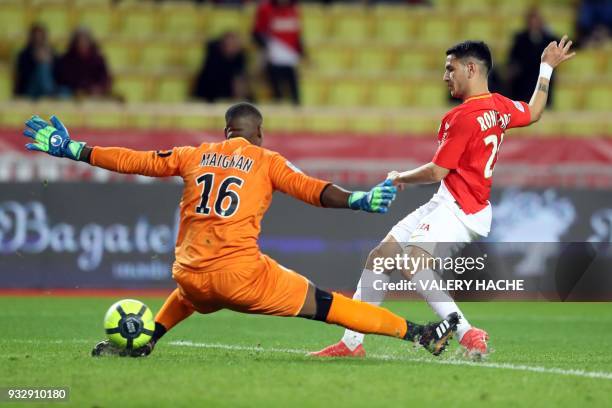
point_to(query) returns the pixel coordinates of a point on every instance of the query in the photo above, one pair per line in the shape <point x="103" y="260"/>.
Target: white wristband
<point x="546" y="70"/>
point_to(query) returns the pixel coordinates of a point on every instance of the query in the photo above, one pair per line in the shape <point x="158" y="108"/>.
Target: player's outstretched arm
<point x="426" y="174"/>
<point x="553" y="55"/>
<point x="377" y="200"/>
<point x="53" y="139"/>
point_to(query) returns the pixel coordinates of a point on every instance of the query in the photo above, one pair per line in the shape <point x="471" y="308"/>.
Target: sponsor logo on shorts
<point x="424" y="227"/>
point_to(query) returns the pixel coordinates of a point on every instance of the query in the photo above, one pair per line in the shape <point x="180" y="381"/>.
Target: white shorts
<point x="437" y="227"/>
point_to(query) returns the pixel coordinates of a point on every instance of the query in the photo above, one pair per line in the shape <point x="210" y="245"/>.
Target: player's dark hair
<point x="243" y="110"/>
<point x="475" y="49"/>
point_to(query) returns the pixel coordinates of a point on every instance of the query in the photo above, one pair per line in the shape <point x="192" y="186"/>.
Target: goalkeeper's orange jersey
<point x="228" y="188"/>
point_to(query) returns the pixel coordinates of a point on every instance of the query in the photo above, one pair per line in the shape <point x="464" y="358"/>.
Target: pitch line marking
<point x="503" y="366"/>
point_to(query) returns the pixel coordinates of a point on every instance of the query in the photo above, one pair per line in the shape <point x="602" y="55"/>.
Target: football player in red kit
<point x="469" y="139"/>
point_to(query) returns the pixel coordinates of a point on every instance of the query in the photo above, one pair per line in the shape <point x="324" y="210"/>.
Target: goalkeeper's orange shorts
<point x="264" y="287"/>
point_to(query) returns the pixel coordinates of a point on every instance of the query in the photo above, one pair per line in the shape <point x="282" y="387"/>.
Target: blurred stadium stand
<point x="386" y="60"/>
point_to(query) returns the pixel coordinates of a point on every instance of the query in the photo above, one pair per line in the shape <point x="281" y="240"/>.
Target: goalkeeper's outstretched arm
<point x="53" y="139"/>
<point x="127" y="161"/>
<point x="290" y="180"/>
<point x="553" y="55"/>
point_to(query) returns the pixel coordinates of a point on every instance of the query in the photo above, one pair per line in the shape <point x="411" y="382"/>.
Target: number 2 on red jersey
<point x="496" y="142"/>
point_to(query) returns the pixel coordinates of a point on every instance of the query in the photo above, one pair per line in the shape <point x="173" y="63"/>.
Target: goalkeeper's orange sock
<point x="369" y="319"/>
<point x="172" y="312"/>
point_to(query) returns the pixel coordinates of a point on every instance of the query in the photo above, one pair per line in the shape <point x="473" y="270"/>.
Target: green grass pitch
<point x="546" y="354"/>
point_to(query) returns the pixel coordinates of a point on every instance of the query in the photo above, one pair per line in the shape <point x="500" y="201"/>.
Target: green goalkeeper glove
<point x="377" y="200"/>
<point x="52" y="138"/>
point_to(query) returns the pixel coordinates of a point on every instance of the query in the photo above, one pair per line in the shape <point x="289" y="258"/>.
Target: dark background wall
<point x="113" y="235"/>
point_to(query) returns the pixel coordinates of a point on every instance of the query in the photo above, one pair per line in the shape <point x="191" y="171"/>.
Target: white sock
<point x="366" y="293"/>
<point x="439" y="300"/>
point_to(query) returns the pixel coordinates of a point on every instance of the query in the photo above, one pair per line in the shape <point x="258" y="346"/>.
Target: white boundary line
<point x="503" y="366"/>
<point x="603" y="375"/>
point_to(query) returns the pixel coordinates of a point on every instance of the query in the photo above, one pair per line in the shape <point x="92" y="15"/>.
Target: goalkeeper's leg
<point x="351" y="344"/>
<point x="365" y="318"/>
<point x="175" y="309"/>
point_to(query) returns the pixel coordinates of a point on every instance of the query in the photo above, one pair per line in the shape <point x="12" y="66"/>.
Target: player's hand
<point x="378" y="199"/>
<point x="51" y="138"/>
<point x="394" y="177"/>
<point x="554" y="54"/>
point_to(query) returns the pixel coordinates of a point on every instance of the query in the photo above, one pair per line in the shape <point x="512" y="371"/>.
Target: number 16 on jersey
<point x="226" y="201"/>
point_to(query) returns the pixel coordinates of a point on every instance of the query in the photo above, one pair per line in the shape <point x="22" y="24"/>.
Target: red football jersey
<point x="469" y="139"/>
<point x="280" y="22"/>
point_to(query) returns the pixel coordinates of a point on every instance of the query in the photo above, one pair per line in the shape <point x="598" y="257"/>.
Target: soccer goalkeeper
<point x="228" y="187"/>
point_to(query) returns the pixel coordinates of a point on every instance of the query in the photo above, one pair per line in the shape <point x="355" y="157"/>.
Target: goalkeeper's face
<point x="253" y="132"/>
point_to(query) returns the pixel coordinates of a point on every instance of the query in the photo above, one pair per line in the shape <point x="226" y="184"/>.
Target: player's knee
<point x="323" y="300"/>
<point x="378" y="255"/>
<point x="421" y="260"/>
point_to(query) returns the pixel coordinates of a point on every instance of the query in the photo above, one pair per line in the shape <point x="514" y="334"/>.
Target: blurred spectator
<point x="82" y="69"/>
<point x="277" y="31"/>
<point x="223" y="75"/>
<point x="34" y="72"/>
<point x="594" y="22"/>
<point x="524" y="60"/>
